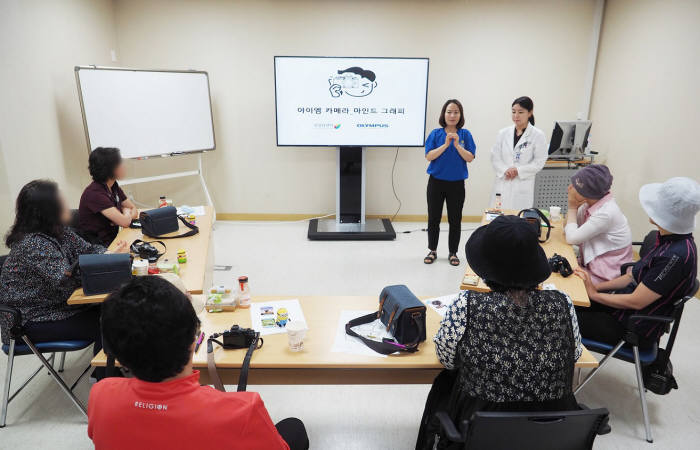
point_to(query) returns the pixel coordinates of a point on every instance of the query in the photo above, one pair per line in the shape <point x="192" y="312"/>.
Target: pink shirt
<point x="604" y="238"/>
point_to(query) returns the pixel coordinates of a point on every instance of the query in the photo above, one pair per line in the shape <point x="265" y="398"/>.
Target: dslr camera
<point x="146" y="250"/>
<point x="238" y="337"/>
<point x="560" y="265"/>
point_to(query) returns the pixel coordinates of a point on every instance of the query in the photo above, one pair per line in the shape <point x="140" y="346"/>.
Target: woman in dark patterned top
<point x="37" y="278"/>
<point x="664" y="275"/>
<point x="511" y="349"/>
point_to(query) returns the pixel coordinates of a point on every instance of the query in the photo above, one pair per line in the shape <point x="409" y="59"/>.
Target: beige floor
<point x="279" y="260"/>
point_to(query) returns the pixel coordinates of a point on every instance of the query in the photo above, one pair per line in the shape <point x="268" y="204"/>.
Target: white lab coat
<point x="518" y="193"/>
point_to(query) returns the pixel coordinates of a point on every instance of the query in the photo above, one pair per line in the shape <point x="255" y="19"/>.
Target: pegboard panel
<point x="551" y="188"/>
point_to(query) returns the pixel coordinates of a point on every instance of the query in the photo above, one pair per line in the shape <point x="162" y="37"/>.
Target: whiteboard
<point x="146" y="112"/>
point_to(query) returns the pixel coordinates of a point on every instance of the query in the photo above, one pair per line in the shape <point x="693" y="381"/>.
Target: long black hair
<point x="525" y="102"/>
<point x="38" y="210"/>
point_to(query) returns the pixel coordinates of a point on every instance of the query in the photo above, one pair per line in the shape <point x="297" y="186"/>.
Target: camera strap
<point x="138" y="243"/>
<point x="243" y="377"/>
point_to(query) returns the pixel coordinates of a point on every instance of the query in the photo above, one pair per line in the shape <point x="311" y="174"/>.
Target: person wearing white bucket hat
<point x="666" y="273"/>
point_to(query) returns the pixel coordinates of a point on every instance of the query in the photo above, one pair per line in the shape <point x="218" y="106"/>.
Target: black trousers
<point x="82" y="326"/>
<point x="452" y="193"/>
<point x="294" y="434"/>
<point x="597" y="322"/>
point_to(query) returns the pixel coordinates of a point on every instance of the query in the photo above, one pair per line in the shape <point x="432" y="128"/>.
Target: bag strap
<point x="386" y="347"/>
<point x="544" y="218"/>
<point x="194" y="229"/>
<point x="243" y="376"/>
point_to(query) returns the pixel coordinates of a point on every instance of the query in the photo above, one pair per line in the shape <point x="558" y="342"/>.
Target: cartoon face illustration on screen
<point x="353" y="81"/>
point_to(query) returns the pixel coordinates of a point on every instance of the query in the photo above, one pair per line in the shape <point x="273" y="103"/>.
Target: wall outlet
<point x="113" y="53"/>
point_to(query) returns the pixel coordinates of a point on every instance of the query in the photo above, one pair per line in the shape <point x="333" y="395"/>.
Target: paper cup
<point x="555" y="212"/>
<point x="295" y="333"/>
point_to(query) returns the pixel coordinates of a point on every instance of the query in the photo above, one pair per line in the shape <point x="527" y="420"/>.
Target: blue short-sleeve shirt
<point x="449" y="166"/>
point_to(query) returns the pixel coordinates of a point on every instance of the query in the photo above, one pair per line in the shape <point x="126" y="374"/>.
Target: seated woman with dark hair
<point x="511" y="349"/>
<point x="37" y="277"/>
<point x="103" y="206"/>
<point x="151" y="328"/>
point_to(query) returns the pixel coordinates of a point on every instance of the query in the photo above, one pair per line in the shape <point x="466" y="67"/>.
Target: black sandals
<point x="430" y="258"/>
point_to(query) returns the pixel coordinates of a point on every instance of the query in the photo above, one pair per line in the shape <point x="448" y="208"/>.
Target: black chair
<point x="647" y="244"/>
<point x="628" y="348"/>
<point x="27" y="347"/>
<point x="564" y="430"/>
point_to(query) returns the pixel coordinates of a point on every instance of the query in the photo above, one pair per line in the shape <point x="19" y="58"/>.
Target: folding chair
<point x="20" y="344"/>
<point x="628" y="350"/>
<point x="561" y="430"/>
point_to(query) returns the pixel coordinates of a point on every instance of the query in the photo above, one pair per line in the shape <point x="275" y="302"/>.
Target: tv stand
<point x="350" y="223"/>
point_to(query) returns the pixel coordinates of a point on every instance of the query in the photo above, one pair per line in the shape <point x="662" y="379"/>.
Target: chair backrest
<point x="677" y="314"/>
<point x="74" y="216"/>
<point x="566" y="430"/>
<point x="648" y="243"/>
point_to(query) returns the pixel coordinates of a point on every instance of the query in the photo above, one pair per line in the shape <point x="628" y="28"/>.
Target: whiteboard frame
<point x="77" y="70"/>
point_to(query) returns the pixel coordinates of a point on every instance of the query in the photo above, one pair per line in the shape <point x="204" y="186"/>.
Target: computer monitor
<point x="569" y="139"/>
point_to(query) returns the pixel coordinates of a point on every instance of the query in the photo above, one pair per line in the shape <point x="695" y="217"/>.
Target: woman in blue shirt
<point x="448" y="149"/>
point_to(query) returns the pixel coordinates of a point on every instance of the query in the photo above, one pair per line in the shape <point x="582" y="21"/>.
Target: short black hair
<point x="361" y="72"/>
<point x="149" y="326"/>
<point x="103" y="162"/>
<point x="442" y="122"/>
<point x="37" y="210"/>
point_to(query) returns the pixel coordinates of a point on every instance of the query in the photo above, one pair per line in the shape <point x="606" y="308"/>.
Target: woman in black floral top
<point x="511" y="349"/>
<point x="37" y="276"/>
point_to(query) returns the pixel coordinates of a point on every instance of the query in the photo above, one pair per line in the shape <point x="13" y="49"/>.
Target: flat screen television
<point x="342" y="101"/>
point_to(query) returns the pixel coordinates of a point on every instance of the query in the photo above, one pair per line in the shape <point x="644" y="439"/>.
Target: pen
<point x="199" y="342"/>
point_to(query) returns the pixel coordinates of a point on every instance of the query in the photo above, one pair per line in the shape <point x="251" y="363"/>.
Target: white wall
<point x="485" y="53"/>
<point x="645" y="101"/>
<point x="41" y="131"/>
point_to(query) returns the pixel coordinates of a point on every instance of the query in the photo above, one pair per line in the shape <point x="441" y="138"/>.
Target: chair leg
<point x="62" y="362"/>
<point x="602" y="364"/>
<point x="55" y="375"/>
<point x="6" y="386"/>
<point x="642" y="395"/>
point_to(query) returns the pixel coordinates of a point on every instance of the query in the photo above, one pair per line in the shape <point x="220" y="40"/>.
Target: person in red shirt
<point x="151" y="328"/>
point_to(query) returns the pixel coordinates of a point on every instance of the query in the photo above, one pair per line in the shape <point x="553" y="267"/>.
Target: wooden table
<point x="556" y="243"/>
<point x="195" y="273"/>
<point x="274" y="363"/>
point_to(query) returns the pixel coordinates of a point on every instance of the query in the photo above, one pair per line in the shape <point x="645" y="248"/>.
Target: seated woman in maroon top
<point x="103" y="206"/>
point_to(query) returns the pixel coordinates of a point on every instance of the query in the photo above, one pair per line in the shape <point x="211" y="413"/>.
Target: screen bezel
<point x="425" y="113"/>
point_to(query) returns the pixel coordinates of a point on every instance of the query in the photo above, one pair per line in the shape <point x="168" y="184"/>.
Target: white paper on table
<point x="293" y="309"/>
<point x="440" y="304"/>
<point x="196" y="210"/>
<point x="344" y="343"/>
<point x="491" y="216"/>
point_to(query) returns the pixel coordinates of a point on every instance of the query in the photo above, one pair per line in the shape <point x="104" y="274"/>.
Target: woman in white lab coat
<point x="519" y="153"/>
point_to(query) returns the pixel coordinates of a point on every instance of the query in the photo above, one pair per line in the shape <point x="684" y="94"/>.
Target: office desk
<point x="556" y="243"/>
<point x="274" y="363"/>
<point x="196" y="273"/>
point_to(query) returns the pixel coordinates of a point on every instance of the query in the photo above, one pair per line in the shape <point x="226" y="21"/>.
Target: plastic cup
<point x="555" y="212"/>
<point x="295" y="333"/>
